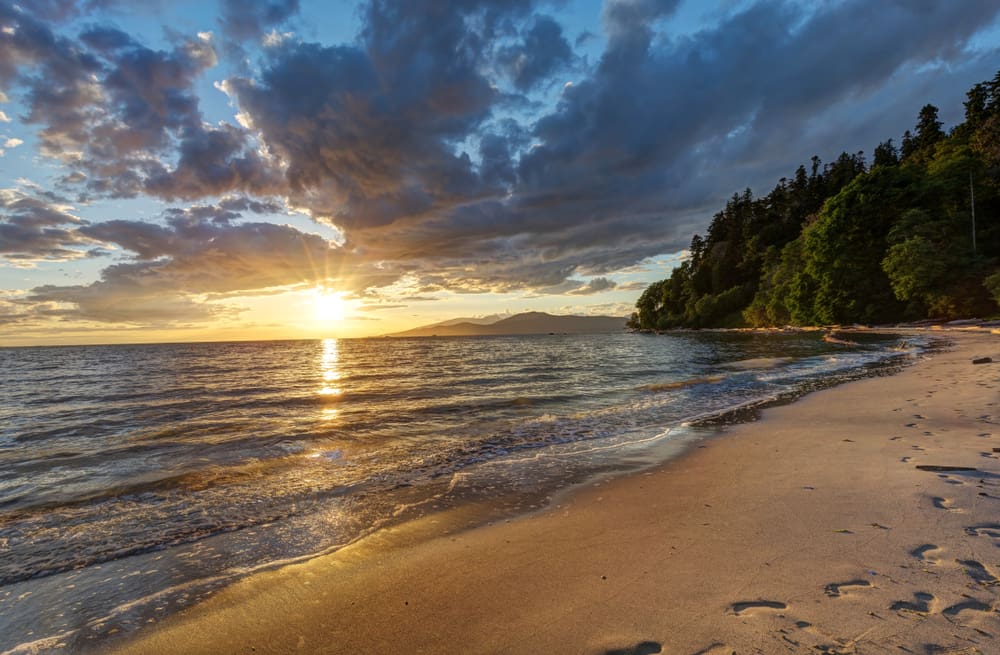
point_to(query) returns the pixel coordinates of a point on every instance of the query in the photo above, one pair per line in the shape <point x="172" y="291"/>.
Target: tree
<point x="928" y="128"/>
<point x="909" y="145"/>
<point x="845" y="243"/>
<point x="886" y="154"/>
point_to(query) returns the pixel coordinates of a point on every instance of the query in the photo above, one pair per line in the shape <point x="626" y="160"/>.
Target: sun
<point x="328" y="305"/>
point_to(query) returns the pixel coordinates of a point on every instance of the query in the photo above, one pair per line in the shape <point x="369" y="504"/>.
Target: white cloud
<point x="273" y="39"/>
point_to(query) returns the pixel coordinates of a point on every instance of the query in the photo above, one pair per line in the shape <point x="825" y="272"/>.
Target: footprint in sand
<point x="970" y="605"/>
<point x="946" y="504"/>
<point x="717" y="649"/>
<point x="978" y="571"/>
<point x="836" y="589"/>
<point x="927" y="553"/>
<point x="922" y="604"/>
<point x="642" y="648"/>
<point x="751" y="606"/>
<point x="984" y="530"/>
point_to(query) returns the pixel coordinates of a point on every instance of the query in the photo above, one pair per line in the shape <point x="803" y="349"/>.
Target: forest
<point x="913" y="234"/>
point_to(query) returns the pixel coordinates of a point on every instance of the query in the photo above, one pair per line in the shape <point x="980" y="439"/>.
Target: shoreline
<point x="842" y="544"/>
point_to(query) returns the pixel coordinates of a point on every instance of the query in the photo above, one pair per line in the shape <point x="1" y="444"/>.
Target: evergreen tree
<point x="886" y="154"/>
<point x="840" y="243"/>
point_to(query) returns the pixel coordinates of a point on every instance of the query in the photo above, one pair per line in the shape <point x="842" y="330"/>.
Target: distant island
<point x="911" y="234"/>
<point x="524" y="323"/>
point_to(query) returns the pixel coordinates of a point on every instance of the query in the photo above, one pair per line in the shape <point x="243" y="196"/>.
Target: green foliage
<point x="842" y="243"/>
<point x="992" y="284"/>
<point x="843" y="250"/>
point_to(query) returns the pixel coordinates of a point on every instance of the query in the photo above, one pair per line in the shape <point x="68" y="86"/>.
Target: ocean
<point x="137" y="479"/>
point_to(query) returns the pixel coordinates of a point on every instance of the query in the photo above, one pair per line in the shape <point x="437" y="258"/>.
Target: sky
<point x="180" y="170"/>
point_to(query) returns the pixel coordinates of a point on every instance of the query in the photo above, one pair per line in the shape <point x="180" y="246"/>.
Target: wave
<point x="274" y="474"/>
<point x="680" y="384"/>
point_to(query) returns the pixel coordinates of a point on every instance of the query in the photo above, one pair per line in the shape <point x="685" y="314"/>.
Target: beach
<point x="811" y="529"/>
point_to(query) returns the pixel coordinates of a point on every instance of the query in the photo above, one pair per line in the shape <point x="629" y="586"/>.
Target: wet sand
<point x="811" y="530"/>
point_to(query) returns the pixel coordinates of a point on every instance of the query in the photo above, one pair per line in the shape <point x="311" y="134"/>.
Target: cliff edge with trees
<point x="853" y="242"/>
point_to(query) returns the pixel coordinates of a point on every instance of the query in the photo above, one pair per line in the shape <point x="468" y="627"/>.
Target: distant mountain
<point x="479" y="320"/>
<point x="526" y="323"/>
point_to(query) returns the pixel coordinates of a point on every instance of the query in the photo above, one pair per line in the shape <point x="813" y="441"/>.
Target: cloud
<point x="126" y="118"/>
<point x="211" y="162"/>
<point x="431" y="144"/>
<point x="603" y="309"/>
<point x="367" y="132"/>
<point x="631" y="20"/>
<point x="629" y="163"/>
<point x="120" y="297"/>
<point x="33" y="229"/>
<point x="61" y="10"/>
<point x="12" y="312"/>
<point x="597" y="285"/>
<point x="243" y="20"/>
<point x="203" y="253"/>
<point x="543" y="51"/>
<point x="378" y="307"/>
<point x="9" y="143"/>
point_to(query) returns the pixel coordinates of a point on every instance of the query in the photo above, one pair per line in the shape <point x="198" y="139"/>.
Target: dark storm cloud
<point x="56" y="74"/>
<point x="633" y="159"/>
<point x="32" y="229"/>
<point x="106" y="98"/>
<point x="242" y="20"/>
<point x="658" y="117"/>
<point x="597" y="285"/>
<point x="414" y="139"/>
<point x="630" y="20"/>
<point x="149" y="94"/>
<point x="543" y="51"/>
<point x="571" y="287"/>
<point x="368" y="132"/>
<point x="649" y="110"/>
<point x="125" y="116"/>
<point x="213" y="161"/>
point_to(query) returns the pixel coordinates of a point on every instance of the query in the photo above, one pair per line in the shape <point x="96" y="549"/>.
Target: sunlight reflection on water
<point x="222" y="458"/>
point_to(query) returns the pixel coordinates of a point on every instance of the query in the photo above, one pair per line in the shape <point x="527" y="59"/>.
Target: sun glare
<point x="328" y="306"/>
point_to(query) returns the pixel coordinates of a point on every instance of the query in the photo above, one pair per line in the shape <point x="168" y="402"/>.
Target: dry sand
<point x="810" y="531"/>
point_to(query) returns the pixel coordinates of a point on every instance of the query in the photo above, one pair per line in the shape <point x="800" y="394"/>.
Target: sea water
<point x="137" y="479"/>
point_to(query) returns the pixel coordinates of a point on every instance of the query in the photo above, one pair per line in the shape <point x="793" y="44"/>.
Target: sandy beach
<point x="811" y="530"/>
